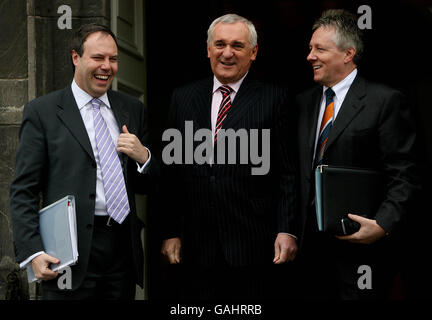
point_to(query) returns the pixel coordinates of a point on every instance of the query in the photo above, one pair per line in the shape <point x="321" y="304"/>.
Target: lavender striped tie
<point x="116" y="198"/>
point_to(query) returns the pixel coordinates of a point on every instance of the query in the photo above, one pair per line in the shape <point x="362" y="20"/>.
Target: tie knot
<point x="96" y="103"/>
<point x="226" y="90"/>
<point x="329" y="94"/>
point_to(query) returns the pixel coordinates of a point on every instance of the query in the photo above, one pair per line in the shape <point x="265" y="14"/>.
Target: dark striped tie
<point x="325" y="128"/>
<point x="116" y="198"/>
<point x="224" y="107"/>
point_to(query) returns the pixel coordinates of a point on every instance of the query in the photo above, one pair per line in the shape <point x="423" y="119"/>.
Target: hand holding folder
<point x="341" y="190"/>
<point x="370" y="231"/>
<point x="57" y="226"/>
<point x="41" y="267"/>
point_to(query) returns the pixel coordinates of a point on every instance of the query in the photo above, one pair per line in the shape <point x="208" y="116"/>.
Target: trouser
<point x="334" y="269"/>
<point x="109" y="274"/>
<point x="223" y="282"/>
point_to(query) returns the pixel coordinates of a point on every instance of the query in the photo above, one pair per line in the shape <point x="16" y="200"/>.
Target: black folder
<point x="343" y="190"/>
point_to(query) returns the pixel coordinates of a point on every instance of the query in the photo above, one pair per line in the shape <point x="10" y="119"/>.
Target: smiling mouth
<point x="102" y="77"/>
<point x="316" y="67"/>
<point x="228" y="64"/>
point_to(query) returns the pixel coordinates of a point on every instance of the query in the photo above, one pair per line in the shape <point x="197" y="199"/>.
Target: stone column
<point x="13" y="96"/>
<point x="34" y="60"/>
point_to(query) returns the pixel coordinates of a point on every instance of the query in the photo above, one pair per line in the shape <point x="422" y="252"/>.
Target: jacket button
<point x="89" y="226"/>
<point x="92" y="196"/>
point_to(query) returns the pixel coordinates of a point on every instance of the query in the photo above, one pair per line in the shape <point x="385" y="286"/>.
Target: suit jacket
<point x="222" y="209"/>
<point x="55" y="158"/>
<point x="373" y="129"/>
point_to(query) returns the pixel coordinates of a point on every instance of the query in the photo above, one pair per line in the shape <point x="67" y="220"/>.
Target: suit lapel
<point x="120" y="113"/>
<point x="122" y="117"/>
<point x="70" y="116"/>
<point x="245" y="97"/>
<point x="202" y="104"/>
<point x="313" y="108"/>
<point x="351" y="106"/>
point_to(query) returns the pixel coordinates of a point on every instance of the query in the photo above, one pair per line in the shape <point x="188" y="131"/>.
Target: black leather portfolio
<point x="342" y="190"/>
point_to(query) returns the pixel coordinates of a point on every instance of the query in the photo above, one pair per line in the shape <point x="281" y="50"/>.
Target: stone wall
<point x="13" y="96"/>
<point x="34" y="60"/>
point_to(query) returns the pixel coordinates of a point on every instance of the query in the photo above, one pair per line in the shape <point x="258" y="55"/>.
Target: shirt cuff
<point x="142" y="169"/>
<point x="288" y="234"/>
<point x="29" y="259"/>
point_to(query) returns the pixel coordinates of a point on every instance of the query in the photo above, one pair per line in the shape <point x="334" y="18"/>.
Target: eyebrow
<point x="102" y="55"/>
<point x="235" y="42"/>
<point x="239" y="43"/>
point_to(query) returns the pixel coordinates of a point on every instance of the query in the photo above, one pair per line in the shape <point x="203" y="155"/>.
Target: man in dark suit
<point x="228" y="225"/>
<point x="351" y="122"/>
<point x="60" y="153"/>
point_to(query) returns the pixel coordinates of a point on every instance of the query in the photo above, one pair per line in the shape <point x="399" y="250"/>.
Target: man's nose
<point x="311" y="56"/>
<point x="228" y="52"/>
<point x="106" y="64"/>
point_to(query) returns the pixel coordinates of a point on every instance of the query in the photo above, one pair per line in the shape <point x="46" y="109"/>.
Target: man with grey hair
<point x="228" y="227"/>
<point x="348" y="121"/>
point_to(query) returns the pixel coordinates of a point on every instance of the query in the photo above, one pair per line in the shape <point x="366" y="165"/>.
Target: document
<point x="57" y="225"/>
<point x="343" y="190"/>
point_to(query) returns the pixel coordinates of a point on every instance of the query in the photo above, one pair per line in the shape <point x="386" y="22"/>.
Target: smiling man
<point x="96" y="67"/>
<point x="89" y="142"/>
<point x="231" y="51"/>
<point x="228" y="227"/>
<point x="351" y="122"/>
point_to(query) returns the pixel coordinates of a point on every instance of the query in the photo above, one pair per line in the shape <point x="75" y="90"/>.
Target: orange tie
<point x="325" y="128"/>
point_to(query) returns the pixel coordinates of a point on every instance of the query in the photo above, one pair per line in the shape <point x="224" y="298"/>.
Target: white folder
<point x="57" y="226"/>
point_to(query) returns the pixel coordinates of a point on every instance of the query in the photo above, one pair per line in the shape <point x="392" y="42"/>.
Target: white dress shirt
<point x="217" y="99"/>
<point x="83" y="100"/>
<point x="340" y="90"/>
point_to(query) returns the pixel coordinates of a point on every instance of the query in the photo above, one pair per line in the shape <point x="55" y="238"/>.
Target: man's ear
<point x="254" y="52"/>
<point x="208" y="50"/>
<point x="75" y="57"/>
<point x="349" y="55"/>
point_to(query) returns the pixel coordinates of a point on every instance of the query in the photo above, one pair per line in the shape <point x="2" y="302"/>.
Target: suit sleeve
<point x="145" y="182"/>
<point x="285" y="130"/>
<point x="27" y="184"/>
<point x="172" y="209"/>
<point x="396" y="140"/>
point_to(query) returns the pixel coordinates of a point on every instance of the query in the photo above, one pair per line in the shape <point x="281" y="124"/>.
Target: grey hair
<point x="233" y="18"/>
<point x="347" y="34"/>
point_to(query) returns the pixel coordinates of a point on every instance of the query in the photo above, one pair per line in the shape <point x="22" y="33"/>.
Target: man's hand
<point x="368" y="233"/>
<point x="41" y="269"/>
<point x="171" y="250"/>
<point x="285" y="248"/>
<point x="130" y="145"/>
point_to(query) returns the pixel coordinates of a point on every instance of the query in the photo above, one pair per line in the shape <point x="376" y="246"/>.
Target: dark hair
<point x="347" y="33"/>
<point x="81" y="35"/>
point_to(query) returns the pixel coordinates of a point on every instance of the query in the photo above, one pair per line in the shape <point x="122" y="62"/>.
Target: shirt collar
<point x="235" y="85"/>
<point x="341" y="88"/>
<point x="82" y="98"/>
